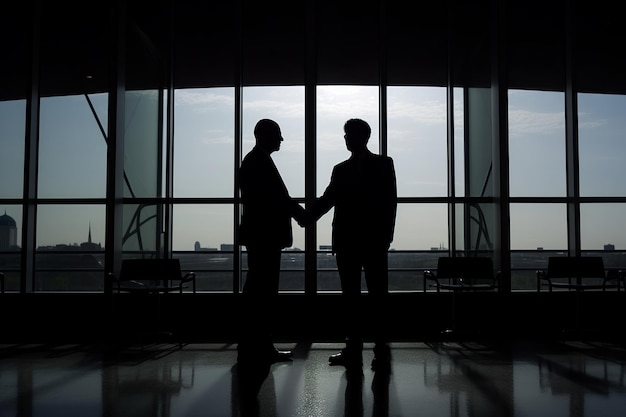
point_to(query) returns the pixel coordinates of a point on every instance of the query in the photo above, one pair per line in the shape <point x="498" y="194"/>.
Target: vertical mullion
<point x="115" y="146"/>
<point x="31" y="151"/>
<point x="310" y="153"/>
<point x="571" y="139"/>
<point x="238" y="109"/>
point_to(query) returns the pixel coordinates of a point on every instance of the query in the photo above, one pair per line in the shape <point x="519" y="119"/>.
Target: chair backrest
<point x="576" y="267"/>
<point x="474" y="268"/>
<point x="161" y="270"/>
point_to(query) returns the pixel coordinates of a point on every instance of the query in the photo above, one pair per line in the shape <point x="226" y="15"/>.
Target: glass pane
<point x="537" y="143"/>
<point x="459" y="225"/>
<point x="406" y="269"/>
<point x="204" y="131"/>
<point x="601" y="126"/>
<point x="421" y="227"/>
<point x="142" y="142"/>
<point x="202" y="227"/>
<point x="10" y="224"/>
<point x="324" y="231"/>
<point x="335" y="105"/>
<point x="538" y="227"/>
<point x="284" y="105"/>
<point x="292" y="271"/>
<point x="72" y="148"/>
<point x="479" y="157"/>
<point x="482" y="225"/>
<point x="64" y="226"/>
<point x="10" y="242"/>
<point x="142" y="228"/>
<point x="417" y="136"/>
<point x="65" y="278"/>
<point x="459" y="142"/>
<point x="328" y="280"/>
<point x="70" y="253"/>
<point x="525" y="264"/>
<point x="213" y="268"/>
<point x="603" y="226"/>
<point x="12" y="125"/>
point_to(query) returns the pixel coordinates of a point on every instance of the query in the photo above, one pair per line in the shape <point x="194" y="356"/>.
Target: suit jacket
<point x="267" y="206"/>
<point x="363" y="192"/>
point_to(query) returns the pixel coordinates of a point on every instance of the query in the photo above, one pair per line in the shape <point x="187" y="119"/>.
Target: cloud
<point x="585" y="122"/>
<point x="527" y="122"/>
<point x="205" y="99"/>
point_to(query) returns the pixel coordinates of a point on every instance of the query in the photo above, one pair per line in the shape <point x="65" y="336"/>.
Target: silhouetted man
<point x="362" y="190"/>
<point x="265" y="230"/>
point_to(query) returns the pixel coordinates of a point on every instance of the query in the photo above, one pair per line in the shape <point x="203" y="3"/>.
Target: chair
<point x="463" y="274"/>
<point x="578" y="273"/>
<point x="154" y="277"/>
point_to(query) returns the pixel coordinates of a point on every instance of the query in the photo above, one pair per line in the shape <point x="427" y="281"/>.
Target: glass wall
<point x="72" y="185"/>
<point x="180" y="156"/>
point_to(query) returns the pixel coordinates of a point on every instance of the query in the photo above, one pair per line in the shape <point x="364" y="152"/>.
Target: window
<point x="536" y="144"/>
<point x="204" y="142"/>
<point x="12" y="123"/>
<point x="602" y="149"/>
<point x="62" y="262"/>
<point x="72" y="148"/>
<point x="417" y="140"/>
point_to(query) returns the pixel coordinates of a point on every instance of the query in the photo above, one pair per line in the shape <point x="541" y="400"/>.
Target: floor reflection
<point x="575" y="379"/>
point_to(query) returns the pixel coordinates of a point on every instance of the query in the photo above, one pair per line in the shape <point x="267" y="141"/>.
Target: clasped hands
<point x="306" y="218"/>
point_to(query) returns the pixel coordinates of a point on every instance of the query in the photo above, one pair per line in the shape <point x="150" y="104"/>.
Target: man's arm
<point x="327" y="200"/>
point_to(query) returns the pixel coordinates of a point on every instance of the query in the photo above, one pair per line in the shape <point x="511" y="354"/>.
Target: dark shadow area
<point x="247" y="379"/>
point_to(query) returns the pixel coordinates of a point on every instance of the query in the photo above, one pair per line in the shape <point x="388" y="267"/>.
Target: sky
<point x="73" y="160"/>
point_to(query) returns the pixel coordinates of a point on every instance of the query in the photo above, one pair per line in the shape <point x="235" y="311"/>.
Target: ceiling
<point x="205" y="43"/>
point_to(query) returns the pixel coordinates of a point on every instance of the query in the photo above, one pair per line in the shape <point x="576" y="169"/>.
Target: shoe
<point x="346" y="359"/>
<point x="281" y="356"/>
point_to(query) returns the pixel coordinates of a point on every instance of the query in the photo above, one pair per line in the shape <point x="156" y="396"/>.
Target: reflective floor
<point x="439" y="379"/>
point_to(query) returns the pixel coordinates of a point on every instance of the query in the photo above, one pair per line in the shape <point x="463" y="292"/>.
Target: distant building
<point x="8" y="232"/>
<point x="609" y="247"/>
<point x="198" y="248"/>
<point x="326" y="247"/>
<point x="227" y="247"/>
<point x="89" y="245"/>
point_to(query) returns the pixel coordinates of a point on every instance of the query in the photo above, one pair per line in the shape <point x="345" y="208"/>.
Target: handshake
<point x="305" y="218"/>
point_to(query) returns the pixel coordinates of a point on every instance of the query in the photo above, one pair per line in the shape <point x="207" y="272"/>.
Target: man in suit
<point x="265" y="230"/>
<point x="362" y="190"/>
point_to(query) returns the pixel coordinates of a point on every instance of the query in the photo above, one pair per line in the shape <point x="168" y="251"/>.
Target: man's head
<point x="357" y="134"/>
<point x="267" y="135"/>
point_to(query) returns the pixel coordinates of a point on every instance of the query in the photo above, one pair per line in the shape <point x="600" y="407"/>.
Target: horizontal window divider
<point x="98" y="200"/>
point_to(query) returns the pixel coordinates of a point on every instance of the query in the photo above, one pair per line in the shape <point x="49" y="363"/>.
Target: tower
<point x="8" y="232"/>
